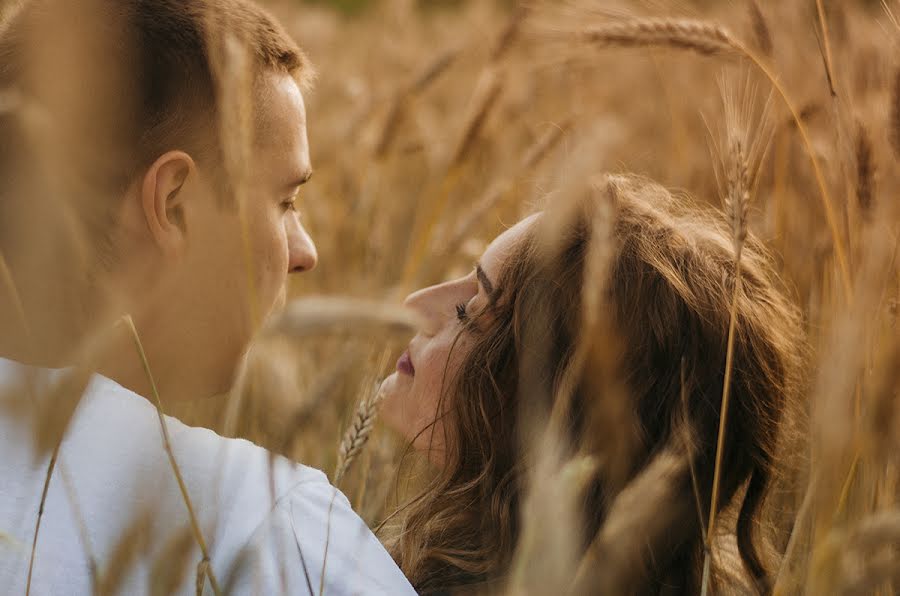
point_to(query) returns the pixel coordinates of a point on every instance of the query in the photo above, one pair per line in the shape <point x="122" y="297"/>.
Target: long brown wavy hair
<point x="667" y="291"/>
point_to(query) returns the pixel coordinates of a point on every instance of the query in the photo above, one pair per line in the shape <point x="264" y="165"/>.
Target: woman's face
<point x="413" y="393"/>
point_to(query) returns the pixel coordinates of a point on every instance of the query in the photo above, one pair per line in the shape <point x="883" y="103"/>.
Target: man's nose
<point x="302" y="255"/>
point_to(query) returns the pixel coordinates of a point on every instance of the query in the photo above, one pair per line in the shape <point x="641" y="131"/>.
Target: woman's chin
<point x="392" y="392"/>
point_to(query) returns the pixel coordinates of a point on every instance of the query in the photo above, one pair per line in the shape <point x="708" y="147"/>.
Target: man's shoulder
<point x="281" y="520"/>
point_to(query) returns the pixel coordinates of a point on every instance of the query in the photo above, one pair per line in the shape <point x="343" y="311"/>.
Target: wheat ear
<point x="357" y="435"/>
<point x="698" y="36"/>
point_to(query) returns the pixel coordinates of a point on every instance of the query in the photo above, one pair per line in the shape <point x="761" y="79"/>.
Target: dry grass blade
<point x="128" y="549"/>
<point x="644" y="515"/>
<point x="546" y="558"/>
<point x="761" y="32"/>
<point x="865" y="171"/>
<point x="172" y="564"/>
<point x="78" y="515"/>
<point x="895" y="21"/>
<point x="432" y="72"/>
<point x="826" y="47"/>
<point x="51" y="466"/>
<point x="746" y="141"/>
<point x="786" y="580"/>
<point x="499" y="190"/>
<point x="12" y="297"/>
<point x="231" y="65"/>
<point x="894" y="125"/>
<point x="195" y="525"/>
<point x="54" y="412"/>
<point x="689" y="449"/>
<point x="485" y="96"/>
<point x="884" y="411"/>
<point x="595" y="276"/>
<point x="56" y="408"/>
<point x="318" y="315"/>
<point x="324" y="389"/>
<point x="509" y="33"/>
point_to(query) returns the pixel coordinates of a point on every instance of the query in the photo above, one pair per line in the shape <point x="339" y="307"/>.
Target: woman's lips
<point x="405" y="365"/>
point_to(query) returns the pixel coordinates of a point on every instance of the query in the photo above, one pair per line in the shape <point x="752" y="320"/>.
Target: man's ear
<point x="162" y="198"/>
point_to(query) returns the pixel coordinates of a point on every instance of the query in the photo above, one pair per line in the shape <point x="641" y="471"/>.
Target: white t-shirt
<point x="266" y="520"/>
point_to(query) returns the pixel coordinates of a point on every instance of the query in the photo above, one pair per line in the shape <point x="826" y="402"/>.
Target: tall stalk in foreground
<point x="741" y="154"/>
<point x="195" y="525"/>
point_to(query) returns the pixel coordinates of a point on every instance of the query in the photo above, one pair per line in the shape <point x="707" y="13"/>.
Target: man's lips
<point x="405" y="365"/>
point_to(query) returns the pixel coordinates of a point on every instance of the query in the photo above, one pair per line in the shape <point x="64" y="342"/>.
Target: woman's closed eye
<point x="461" y="312"/>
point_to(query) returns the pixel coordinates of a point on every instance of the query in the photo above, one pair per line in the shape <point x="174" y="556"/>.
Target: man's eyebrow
<point x="483" y="278"/>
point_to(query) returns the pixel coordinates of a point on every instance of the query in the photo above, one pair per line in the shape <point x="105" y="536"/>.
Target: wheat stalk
<point x="894" y="125"/>
<point x="167" y="445"/>
<point x="865" y="171"/>
<point x="429" y="74"/>
<point x="745" y="146"/>
<point x="498" y="191"/>
<point x="826" y="48"/>
<point x="357" y="434"/>
<point x="40" y="515"/>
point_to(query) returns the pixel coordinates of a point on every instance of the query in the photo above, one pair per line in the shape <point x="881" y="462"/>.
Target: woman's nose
<point x="302" y="255"/>
<point x="434" y="304"/>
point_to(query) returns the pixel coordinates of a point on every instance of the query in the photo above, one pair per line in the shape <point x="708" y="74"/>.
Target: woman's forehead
<point x="504" y="244"/>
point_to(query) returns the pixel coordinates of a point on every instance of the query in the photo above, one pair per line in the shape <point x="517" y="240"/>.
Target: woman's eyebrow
<point x="483" y="278"/>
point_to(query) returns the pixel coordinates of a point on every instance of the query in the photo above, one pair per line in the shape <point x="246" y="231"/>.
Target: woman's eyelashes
<point x="461" y="313"/>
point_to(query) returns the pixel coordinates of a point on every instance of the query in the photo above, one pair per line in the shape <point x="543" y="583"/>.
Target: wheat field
<point x="435" y="126"/>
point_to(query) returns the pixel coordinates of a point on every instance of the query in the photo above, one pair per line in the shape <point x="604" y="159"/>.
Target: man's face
<point x="233" y="270"/>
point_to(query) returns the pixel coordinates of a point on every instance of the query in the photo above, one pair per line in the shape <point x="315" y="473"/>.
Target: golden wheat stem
<point x="13" y="293"/>
<point x="894" y="126"/>
<point x="422" y="231"/>
<point x="78" y="514"/>
<point x="761" y="29"/>
<point x="195" y="526"/>
<point x="786" y="570"/>
<point x="37" y="526"/>
<point x="723" y="414"/>
<point x="829" y="68"/>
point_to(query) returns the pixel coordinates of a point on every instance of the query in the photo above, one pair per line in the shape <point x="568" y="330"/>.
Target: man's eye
<point x="290" y="204"/>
